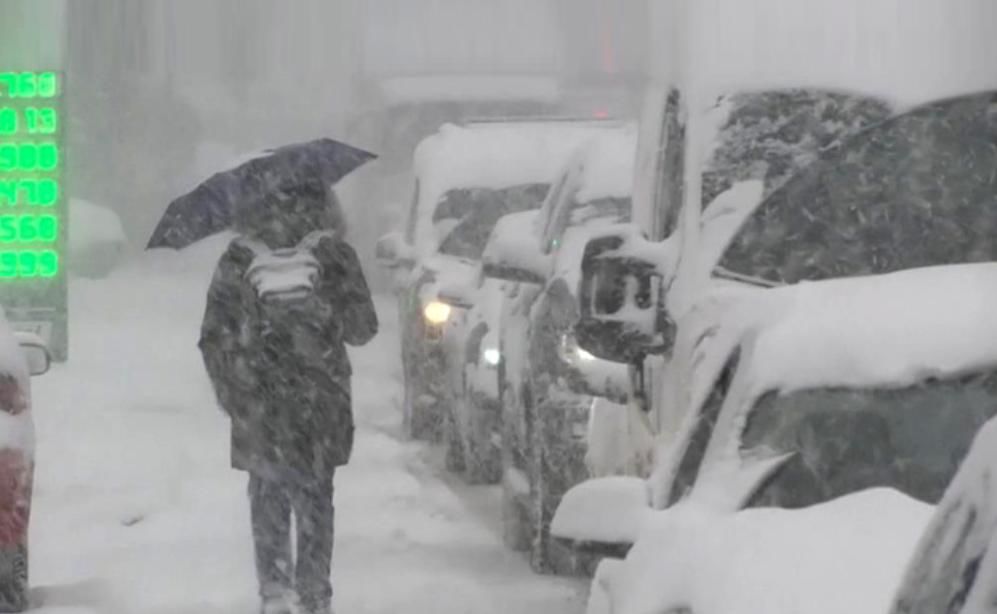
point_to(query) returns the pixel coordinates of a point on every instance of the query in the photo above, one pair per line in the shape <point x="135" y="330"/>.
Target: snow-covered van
<point x="552" y="391"/>
<point x="466" y="179"/>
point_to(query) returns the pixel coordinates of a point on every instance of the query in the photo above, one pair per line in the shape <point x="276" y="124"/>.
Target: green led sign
<point x="32" y="204"/>
<point x="30" y="153"/>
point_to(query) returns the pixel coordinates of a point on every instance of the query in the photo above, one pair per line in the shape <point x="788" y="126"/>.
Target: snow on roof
<point x="908" y="50"/>
<point x="888" y="330"/>
<point x="495" y="156"/>
<point x="845" y="555"/>
<point x="430" y="88"/>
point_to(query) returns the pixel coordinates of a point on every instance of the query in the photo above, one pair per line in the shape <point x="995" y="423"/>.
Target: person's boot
<point x="276" y="605"/>
<point x="276" y="601"/>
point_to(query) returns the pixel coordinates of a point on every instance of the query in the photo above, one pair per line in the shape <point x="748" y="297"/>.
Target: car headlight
<point x="491" y="356"/>
<point x="436" y="312"/>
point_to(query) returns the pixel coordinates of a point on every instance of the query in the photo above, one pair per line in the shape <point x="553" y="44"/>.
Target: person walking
<point x="286" y="297"/>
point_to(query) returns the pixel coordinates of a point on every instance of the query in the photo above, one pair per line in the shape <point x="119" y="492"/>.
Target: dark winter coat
<point x="289" y="400"/>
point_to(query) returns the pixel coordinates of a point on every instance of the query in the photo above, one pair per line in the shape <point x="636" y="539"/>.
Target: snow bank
<point x="96" y="238"/>
<point x="884" y="330"/>
<point x="846" y="555"/>
<point x="611" y="510"/>
<point x="909" y="50"/>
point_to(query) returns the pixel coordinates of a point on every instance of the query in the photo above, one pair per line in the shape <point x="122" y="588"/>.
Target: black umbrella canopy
<point x="215" y="205"/>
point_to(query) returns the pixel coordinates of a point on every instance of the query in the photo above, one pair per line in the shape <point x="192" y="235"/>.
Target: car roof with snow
<point x="491" y="155"/>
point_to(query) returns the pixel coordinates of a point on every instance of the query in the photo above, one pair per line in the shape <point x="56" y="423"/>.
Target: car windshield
<point x="469" y="215"/>
<point x="845" y="440"/>
<point x="917" y="190"/>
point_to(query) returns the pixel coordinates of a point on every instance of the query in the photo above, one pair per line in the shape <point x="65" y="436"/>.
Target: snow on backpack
<point x="285" y="283"/>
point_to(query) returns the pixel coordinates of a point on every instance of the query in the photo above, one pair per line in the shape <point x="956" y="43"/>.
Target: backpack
<point x="288" y="307"/>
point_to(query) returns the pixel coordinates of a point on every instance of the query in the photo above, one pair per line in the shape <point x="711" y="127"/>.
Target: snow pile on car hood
<point x="884" y="330"/>
<point x="846" y="555"/>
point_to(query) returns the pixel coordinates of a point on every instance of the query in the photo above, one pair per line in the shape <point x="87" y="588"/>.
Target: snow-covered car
<point x="808" y="401"/>
<point x="899" y="196"/>
<point x="687" y="160"/>
<point x="549" y="385"/>
<point x="22" y="355"/>
<point x="473" y="427"/>
<point x="466" y="177"/>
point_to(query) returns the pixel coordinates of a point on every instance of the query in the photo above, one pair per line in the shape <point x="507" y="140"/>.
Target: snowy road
<point x="136" y="510"/>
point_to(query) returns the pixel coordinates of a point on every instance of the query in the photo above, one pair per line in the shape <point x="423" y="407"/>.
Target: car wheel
<point x="454" y="458"/>
<point x="557" y="466"/>
<point x="515" y="520"/>
<point x="422" y="408"/>
<point x="482" y="459"/>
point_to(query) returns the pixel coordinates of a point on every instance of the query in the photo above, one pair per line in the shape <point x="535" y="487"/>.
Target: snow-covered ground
<point x="136" y="510"/>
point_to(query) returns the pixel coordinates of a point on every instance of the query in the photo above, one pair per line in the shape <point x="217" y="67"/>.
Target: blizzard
<point x="137" y="511"/>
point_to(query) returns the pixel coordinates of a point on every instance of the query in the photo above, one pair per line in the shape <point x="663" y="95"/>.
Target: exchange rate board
<point x="33" y="204"/>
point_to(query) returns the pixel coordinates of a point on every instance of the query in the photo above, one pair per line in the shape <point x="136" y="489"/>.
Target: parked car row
<point x="829" y="356"/>
<point x="779" y="303"/>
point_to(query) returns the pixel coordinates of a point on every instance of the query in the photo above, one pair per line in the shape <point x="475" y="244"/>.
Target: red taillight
<point x="12" y="398"/>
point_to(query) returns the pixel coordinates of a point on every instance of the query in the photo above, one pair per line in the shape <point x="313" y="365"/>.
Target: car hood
<point x="847" y="555"/>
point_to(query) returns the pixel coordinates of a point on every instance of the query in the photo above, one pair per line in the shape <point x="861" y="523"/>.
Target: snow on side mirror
<point x="457" y="295"/>
<point x="513" y="251"/>
<point x="392" y="251"/>
<point x="36" y="353"/>
<point x="610" y="510"/>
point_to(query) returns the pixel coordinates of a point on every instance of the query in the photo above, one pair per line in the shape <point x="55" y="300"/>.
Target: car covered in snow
<point x="821" y="428"/>
<point x="22" y="355"/>
<point x="549" y="386"/>
<point x="693" y="169"/>
<point x="872" y="368"/>
<point x="466" y="178"/>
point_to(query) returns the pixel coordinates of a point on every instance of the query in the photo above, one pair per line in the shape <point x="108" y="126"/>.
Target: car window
<point x="473" y="214"/>
<point x="669" y="168"/>
<point x="846" y="440"/>
<point x="692" y="458"/>
<point x="772" y="134"/>
<point x="917" y="190"/>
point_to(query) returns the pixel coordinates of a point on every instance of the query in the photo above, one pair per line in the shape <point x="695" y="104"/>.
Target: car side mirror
<point x="36" y="353"/>
<point x="592" y="376"/>
<point x="513" y="251"/>
<point x="392" y="251"/>
<point x="457" y="295"/>
<point x="621" y="297"/>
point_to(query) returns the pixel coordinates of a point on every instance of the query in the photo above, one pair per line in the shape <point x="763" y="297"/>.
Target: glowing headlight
<point x="491" y="356"/>
<point x="436" y="312"/>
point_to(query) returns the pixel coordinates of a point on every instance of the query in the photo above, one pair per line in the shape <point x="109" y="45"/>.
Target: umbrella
<point x="211" y="207"/>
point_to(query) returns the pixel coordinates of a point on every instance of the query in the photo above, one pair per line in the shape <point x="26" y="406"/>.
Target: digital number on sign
<point x="28" y="263"/>
<point x="31" y="198"/>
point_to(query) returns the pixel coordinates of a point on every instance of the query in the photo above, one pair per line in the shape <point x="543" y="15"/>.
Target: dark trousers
<point x="271" y="506"/>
